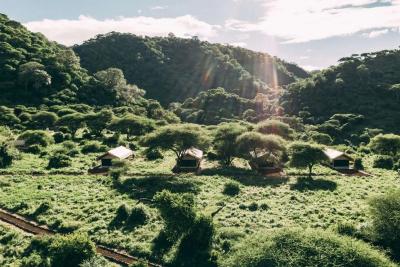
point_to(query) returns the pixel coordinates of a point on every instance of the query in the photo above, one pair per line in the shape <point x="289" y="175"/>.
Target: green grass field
<point x="89" y="202"/>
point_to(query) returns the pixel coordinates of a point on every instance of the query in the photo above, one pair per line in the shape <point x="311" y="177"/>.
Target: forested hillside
<point x="172" y="69"/>
<point x="366" y="84"/>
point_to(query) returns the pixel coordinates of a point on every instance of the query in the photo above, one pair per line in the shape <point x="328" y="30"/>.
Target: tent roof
<point x="120" y="152"/>
<point x="333" y="154"/>
<point x="194" y="152"/>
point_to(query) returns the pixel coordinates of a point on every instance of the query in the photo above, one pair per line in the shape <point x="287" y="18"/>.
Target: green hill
<point x="173" y="69"/>
<point x="366" y="84"/>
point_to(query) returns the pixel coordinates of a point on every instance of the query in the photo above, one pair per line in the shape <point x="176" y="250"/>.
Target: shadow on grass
<point x="144" y="188"/>
<point x="305" y="183"/>
<point x="246" y="177"/>
<point x="160" y="246"/>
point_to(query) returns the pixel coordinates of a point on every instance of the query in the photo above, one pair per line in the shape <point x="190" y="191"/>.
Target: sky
<point x="315" y="34"/>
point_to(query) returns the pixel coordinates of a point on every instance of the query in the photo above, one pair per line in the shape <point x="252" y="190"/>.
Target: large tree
<point x="305" y="155"/>
<point x="96" y="122"/>
<point x="72" y="121"/>
<point x="275" y="127"/>
<point x="178" y="138"/>
<point x="252" y="145"/>
<point x="132" y="125"/>
<point x="225" y="141"/>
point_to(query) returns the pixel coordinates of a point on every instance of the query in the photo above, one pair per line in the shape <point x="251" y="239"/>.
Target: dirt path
<point x="33" y="228"/>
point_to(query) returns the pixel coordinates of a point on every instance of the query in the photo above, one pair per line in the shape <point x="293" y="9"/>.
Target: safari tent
<point x="338" y="159"/>
<point x="191" y="160"/>
<point x="119" y="153"/>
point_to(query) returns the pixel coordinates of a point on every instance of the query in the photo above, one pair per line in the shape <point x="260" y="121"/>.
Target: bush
<point x="58" y="137"/>
<point x="231" y="189"/>
<point x="385" y="212"/>
<point x="59" y="161"/>
<point x="93" y="147"/>
<point x="38" y="137"/>
<point x="6" y="157"/>
<point x="383" y="162"/>
<point x="138" y="216"/>
<point x="34" y="149"/>
<point x="153" y="154"/>
<point x="253" y="206"/>
<point x="358" y="164"/>
<point x="301" y="248"/>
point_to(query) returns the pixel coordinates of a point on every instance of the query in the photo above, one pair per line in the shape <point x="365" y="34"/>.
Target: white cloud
<point x="310" y="67"/>
<point x="374" y="34"/>
<point x="306" y="20"/>
<point x="158" y="7"/>
<point x="71" y="32"/>
<point x="241" y="44"/>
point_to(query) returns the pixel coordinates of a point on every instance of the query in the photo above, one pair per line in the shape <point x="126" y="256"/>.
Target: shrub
<point x="321" y="138"/>
<point x="299" y="247"/>
<point x="58" y="137"/>
<point x="38" y="137"/>
<point x="275" y="127"/>
<point x="59" y="161"/>
<point x="231" y="189"/>
<point x="383" y="162"/>
<point x="34" y="149"/>
<point x="65" y="227"/>
<point x="93" y="147"/>
<point x="153" y="154"/>
<point x="138" y="216"/>
<point x="71" y="250"/>
<point x="253" y="206"/>
<point x="385" y="212"/>
<point x="6" y="157"/>
<point x="358" y="164"/>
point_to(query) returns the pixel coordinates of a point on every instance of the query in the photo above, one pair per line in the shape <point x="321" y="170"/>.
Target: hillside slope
<point x="366" y="84"/>
<point x="172" y="69"/>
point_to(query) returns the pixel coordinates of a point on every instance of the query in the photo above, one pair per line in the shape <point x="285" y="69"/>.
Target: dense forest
<point x="172" y="69"/>
<point x="367" y="84"/>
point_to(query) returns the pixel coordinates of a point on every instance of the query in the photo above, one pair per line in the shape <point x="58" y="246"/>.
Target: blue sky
<point x="312" y="33"/>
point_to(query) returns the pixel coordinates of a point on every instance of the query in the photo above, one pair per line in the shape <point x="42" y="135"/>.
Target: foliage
<point x="138" y="216"/>
<point x="386" y="144"/>
<point x="305" y="155"/>
<point x="132" y="125"/>
<point x="299" y="247"/>
<point x="178" y="138"/>
<point x="36" y="137"/>
<point x="360" y="84"/>
<point x="231" y="189"/>
<point x="44" y="119"/>
<point x="59" y="161"/>
<point x="225" y="141"/>
<point x="275" y="127"/>
<point x="321" y="138"/>
<point x="6" y="156"/>
<point x="153" y="154"/>
<point x="177" y="211"/>
<point x="385" y="212"/>
<point x="358" y="164"/>
<point x="252" y="145"/>
<point x="93" y="147"/>
<point x="174" y="61"/>
<point x="383" y="162"/>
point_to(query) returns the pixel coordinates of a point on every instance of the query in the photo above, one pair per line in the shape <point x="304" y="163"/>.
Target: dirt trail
<point x="33" y="228"/>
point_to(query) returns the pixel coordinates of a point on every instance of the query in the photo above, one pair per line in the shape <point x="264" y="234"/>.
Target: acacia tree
<point x="132" y="125"/>
<point x="275" y="127"/>
<point x="386" y="144"/>
<point x="72" y="121"/>
<point x="44" y="119"/>
<point x="251" y="145"/>
<point x="225" y="141"/>
<point x="177" y="138"/>
<point x="305" y="155"/>
<point x="96" y="122"/>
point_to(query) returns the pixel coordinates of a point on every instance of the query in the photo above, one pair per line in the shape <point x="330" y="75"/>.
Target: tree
<point x="305" y="155"/>
<point x="44" y="119"/>
<point x="385" y="211"/>
<point x="33" y="74"/>
<point x="132" y="125"/>
<point x="275" y="127"/>
<point x="177" y="211"/>
<point x="96" y="122"/>
<point x="37" y="137"/>
<point x="386" y="144"/>
<point x="225" y="141"/>
<point x="72" y="121"/>
<point x="252" y="145"/>
<point x="178" y="138"/>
